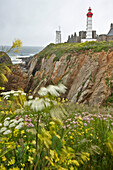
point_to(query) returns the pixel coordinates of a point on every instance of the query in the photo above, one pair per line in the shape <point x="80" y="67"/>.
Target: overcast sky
<point x="35" y="21"/>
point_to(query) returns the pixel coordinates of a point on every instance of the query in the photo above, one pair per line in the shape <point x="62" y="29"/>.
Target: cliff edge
<point x="86" y="69"/>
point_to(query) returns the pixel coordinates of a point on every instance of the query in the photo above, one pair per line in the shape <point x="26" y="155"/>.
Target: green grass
<point x="69" y="48"/>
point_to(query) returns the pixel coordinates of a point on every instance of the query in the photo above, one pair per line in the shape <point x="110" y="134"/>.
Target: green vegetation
<point x="5" y="61"/>
<point x="51" y="133"/>
<point x="68" y="57"/>
<point x="61" y="49"/>
<point x="109" y="101"/>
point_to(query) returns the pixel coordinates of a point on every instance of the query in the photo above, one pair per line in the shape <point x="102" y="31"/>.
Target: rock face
<point x="17" y="79"/>
<point x="4" y="58"/>
<point x="88" y="76"/>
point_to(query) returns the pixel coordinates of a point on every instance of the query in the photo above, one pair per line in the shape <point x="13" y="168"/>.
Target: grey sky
<point x="35" y="21"/>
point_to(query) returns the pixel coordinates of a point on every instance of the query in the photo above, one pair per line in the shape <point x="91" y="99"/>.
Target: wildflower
<point x="22" y="132"/>
<point x="47" y="104"/>
<point x="22" y="164"/>
<point x="62" y="88"/>
<point x="79" y="118"/>
<point x="16" y="94"/>
<point x="6" y="123"/>
<point x="71" y="137"/>
<point x="31" y="125"/>
<point x="68" y="125"/>
<point x="43" y="91"/>
<point x="7" y="118"/>
<point x="33" y="150"/>
<point x="34" y="142"/>
<point x="12" y="125"/>
<point x="12" y="161"/>
<point x="4" y="158"/>
<point x="24" y="94"/>
<point x="91" y="134"/>
<point x="20" y="120"/>
<point x="30" y="97"/>
<point x="7" y="132"/>
<point x="30" y="159"/>
<point x="0" y="124"/>
<point x="85" y="124"/>
<point x="6" y="97"/>
<point x="3" y="129"/>
<point x="19" y="126"/>
<point x="27" y="147"/>
<point x="52" y="90"/>
<point x="29" y="120"/>
<point x="112" y="123"/>
<point x="14" y="121"/>
<point x="2" y="167"/>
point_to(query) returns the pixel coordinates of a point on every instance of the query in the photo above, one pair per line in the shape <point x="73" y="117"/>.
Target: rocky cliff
<point x="4" y="58"/>
<point x="86" y="69"/>
<point x="17" y="78"/>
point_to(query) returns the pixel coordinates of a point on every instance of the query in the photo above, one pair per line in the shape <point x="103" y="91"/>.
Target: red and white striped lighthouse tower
<point x="89" y="24"/>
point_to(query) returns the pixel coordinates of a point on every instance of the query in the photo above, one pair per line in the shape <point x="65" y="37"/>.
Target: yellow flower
<point x="27" y="147"/>
<point x="30" y="159"/>
<point x="33" y="150"/>
<point x="4" y="158"/>
<point x="6" y="112"/>
<point x="17" y="43"/>
<point x="16" y="132"/>
<point x="34" y="142"/>
<point x="79" y="118"/>
<point x="86" y="130"/>
<point x="30" y="150"/>
<point x="63" y="100"/>
<point x="71" y="137"/>
<point x="25" y="123"/>
<point x="2" y="167"/>
<point x="24" y="136"/>
<point x="59" y="99"/>
<point x="22" y="164"/>
<point x="22" y="132"/>
<point x="12" y="161"/>
<point x="91" y="134"/>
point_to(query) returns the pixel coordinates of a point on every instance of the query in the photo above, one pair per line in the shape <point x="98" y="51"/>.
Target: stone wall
<point x="82" y="35"/>
<point x="110" y="38"/>
<point x="102" y="37"/>
<point x="72" y="38"/>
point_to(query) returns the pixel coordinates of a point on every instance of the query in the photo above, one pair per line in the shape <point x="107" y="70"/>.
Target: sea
<point x="25" y="52"/>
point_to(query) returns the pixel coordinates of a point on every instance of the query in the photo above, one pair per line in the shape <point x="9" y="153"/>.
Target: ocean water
<point x="26" y="51"/>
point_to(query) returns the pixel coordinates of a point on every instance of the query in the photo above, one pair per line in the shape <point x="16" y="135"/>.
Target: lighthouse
<point x="89" y="24"/>
<point x="58" y="36"/>
<point x="90" y="34"/>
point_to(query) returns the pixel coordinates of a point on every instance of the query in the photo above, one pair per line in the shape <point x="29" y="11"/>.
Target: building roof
<point x="110" y="33"/>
